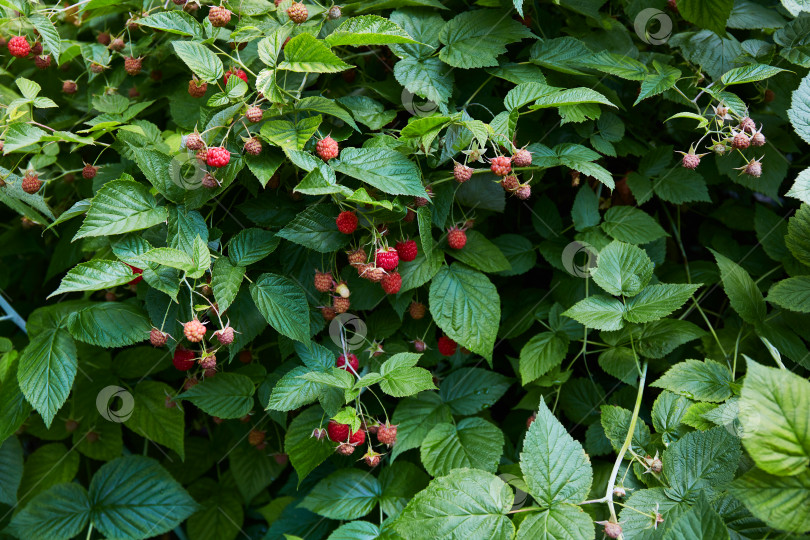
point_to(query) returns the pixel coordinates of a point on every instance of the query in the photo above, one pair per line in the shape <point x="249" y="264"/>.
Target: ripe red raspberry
<point x="340" y="304"/>
<point x="407" y="250"/>
<point x="158" y="338"/>
<point x="225" y="335"/>
<point x="138" y="272"/>
<point x="183" y="359"/>
<point x="747" y="124"/>
<point x="523" y="192"/>
<point x="323" y="281"/>
<point x="410" y="215"/>
<point x="387" y="434"/>
<point x="43" y="62"/>
<point x="740" y="140"/>
<point x="510" y="183"/>
<point x="327" y="148"/>
<point x="194" y="141"/>
<point x="417" y="310"/>
<point x="758" y="139"/>
<point x="197" y="88"/>
<point x="456" y="238"/>
<point x="391" y="283"/>
<point x="133" y="65"/>
<point x="253" y="146"/>
<point x="387" y="258"/>
<point x="340" y="433"/>
<point x="117" y="44"/>
<point x="219" y="16"/>
<point x="462" y="173"/>
<point x="357" y="257"/>
<point x="194" y="330"/>
<point x="69" y="87"/>
<point x="328" y="313"/>
<point x="501" y="165"/>
<point x="209" y="181"/>
<point x="530" y="420"/>
<point x="217" y="156"/>
<point x="238" y="72"/>
<point x="691" y="160"/>
<point x="256" y="437"/>
<point x="18" y="46"/>
<point x="254" y="114"/>
<point x="522" y="158"/>
<point x="297" y="13"/>
<point x="347" y="222"/>
<point x="447" y="347"/>
<point x="353" y="362"/>
<point x="89" y="172"/>
<point x="31" y="183"/>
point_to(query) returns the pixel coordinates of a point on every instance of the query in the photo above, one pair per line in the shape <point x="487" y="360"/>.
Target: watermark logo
<point x="653" y="26"/>
<point x="579" y="259"/>
<point x="511" y="480"/>
<point x="416" y="105"/>
<point x="348" y="331"/>
<point x="106" y="399"/>
<point x="186" y="171"/>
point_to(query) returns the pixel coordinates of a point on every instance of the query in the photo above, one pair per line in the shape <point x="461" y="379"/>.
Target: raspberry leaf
<point x="473" y="443"/>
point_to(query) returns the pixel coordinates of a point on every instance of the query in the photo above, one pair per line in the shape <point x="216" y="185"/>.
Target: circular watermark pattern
<point x="186" y="171"/>
<point x="416" y="105"/>
<point x="579" y="259"/>
<point x="106" y="398"/>
<point x="514" y="481"/>
<point x="348" y="331"/>
<point x="649" y="19"/>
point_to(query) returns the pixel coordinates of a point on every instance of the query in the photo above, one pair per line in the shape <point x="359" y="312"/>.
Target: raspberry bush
<point x="405" y="269"/>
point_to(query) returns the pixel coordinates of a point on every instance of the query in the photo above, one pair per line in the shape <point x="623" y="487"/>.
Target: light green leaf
<point x="475" y="39"/>
<point x="315" y="229"/>
<point x="751" y="73"/>
<point x="401" y="378"/>
<point x="199" y="58"/>
<point x="631" y="225"/>
<point x="799" y="112"/>
<point x="306" y="54"/>
<point x="225" y="282"/>
<point x="481" y="254"/>
<point x="700" y="461"/>
<point x="700" y="521"/>
<point x="622" y="269"/>
<point x="560" y="522"/>
<point x="94" y="275"/>
<point x="657" y="301"/>
<point x="659" y="82"/>
<point x="540" y="354"/>
<point x="109" y="324"/>
<point x="174" y="22"/>
<point x="119" y="207"/>
<point x="382" y="168"/>
<point x="46" y="371"/>
<point x="782" y="502"/>
<point x="600" y="312"/>
<point x="227" y="395"/>
<point x="306" y="452"/>
<point x="415" y="416"/>
<point x="345" y="494"/>
<point x="743" y="293"/>
<point x="703" y="381"/>
<point x="367" y="30"/>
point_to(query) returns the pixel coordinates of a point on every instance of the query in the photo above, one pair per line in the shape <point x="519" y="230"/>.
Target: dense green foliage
<point x="563" y="246"/>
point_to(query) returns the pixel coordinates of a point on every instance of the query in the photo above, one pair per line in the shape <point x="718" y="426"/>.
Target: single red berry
<point x="197" y="88"/>
<point x="340" y="304"/>
<point x="69" y="87"/>
<point x="92" y="437"/>
<point x="138" y="272"/>
<point x="323" y="281"/>
<point x="238" y="72"/>
<point x="748" y="125"/>
<point x="418" y="202"/>
<point x="530" y="420"/>
<point x="190" y="383"/>
<point x="133" y="65"/>
<point x="133" y="93"/>
<point x="117" y="44"/>
<point x="456" y="238"/>
<point x="357" y="257"/>
<point x="253" y="146"/>
<point x="297" y="12"/>
<point x="447" y="347"/>
<point x="387" y="434"/>
<point x="208" y="362"/>
<point x="219" y="16"/>
<point x="769" y="96"/>
<point x="510" y="183"/>
<point x="95" y="67"/>
<point x="410" y="215"/>
<point x="217" y="156"/>
<point x="158" y="338"/>
<point x="353" y="362"/>
<point x="522" y="158"/>
<point x="194" y="330"/>
<point x="372" y="458"/>
<point x="419" y="345"/>
<point x="758" y="139"/>
<point x="523" y="192"/>
<point x="43" y="62"/>
<point x="103" y="38"/>
<point x="347" y="222"/>
<point x="407" y="250"/>
<point x="327" y="148"/>
<point x="340" y="433"/>
<point x="690" y="160"/>
<point x="328" y="313"/>
<point x="345" y="449"/>
<point x="391" y="283"/>
<point x="753" y="168"/>
<point x="89" y="171"/>
<point x="225" y="335"/>
<point x="183" y="359"/>
<point x="36" y="48"/>
<point x="245" y="356"/>
<point x="254" y="114"/>
<point x="31" y="183"/>
<point x="501" y="165"/>
<point x="417" y="310"/>
<point x="387" y="258"/>
<point x="462" y="173"/>
<point x="18" y="46"/>
<point x="209" y="181"/>
<point x="71" y="425"/>
<point x="612" y="529"/>
<point x="256" y="437"/>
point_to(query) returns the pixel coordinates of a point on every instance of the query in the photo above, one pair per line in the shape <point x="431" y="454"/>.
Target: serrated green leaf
<point x="227" y="395"/>
<point x="284" y="304"/>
